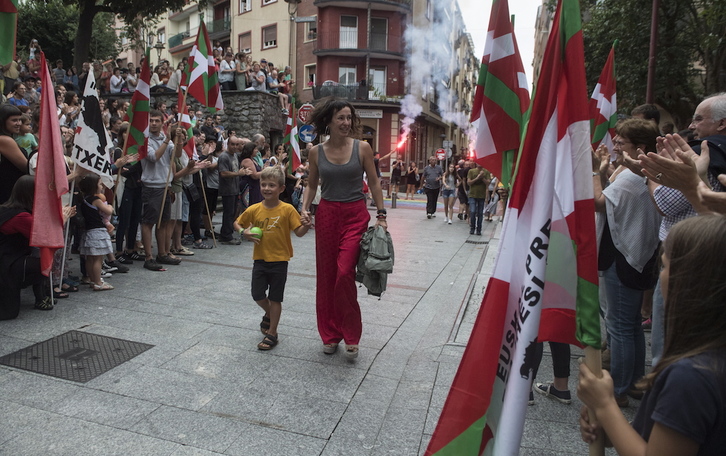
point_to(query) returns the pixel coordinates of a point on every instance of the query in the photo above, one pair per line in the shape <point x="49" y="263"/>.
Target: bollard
<point x="394" y="197"/>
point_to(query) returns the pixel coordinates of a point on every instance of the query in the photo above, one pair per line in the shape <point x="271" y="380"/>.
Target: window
<point x="379" y="34"/>
<point x="245" y="42"/>
<point x="269" y="36"/>
<point x="348" y="32"/>
<point x="376" y="83"/>
<point x="311" y="30"/>
<point x="347" y="75"/>
<point x="244" y="6"/>
<point x="268" y="2"/>
<point x="310" y="71"/>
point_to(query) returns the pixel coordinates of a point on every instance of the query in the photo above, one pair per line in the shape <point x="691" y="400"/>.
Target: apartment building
<point x="364" y="51"/>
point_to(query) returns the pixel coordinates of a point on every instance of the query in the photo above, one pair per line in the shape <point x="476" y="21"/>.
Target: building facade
<point x="373" y="53"/>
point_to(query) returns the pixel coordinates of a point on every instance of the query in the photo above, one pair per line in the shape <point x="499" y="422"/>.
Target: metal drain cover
<point x="76" y="356"/>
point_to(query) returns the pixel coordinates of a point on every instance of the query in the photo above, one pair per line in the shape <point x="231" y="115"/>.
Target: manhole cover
<point x="76" y="356"/>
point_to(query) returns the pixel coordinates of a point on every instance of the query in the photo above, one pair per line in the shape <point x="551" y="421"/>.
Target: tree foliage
<point x="133" y="13"/>
<point x="54" y="25"/>
<point x="676" y="88"/>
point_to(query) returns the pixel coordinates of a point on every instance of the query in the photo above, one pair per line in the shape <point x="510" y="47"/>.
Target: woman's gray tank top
<point x="341" y="183"/>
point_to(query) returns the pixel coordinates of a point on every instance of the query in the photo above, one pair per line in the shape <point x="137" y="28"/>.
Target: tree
<point x="707" y="24"/>
<point x="629" y="23"/>
<point x="132" y="12"/>
<point x="54" y="25"/>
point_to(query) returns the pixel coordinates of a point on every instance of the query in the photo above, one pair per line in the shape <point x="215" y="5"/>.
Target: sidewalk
<point x="204" y="388"/>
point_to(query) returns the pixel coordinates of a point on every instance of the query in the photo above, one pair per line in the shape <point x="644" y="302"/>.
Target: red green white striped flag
<point x="186" y="123"/>
<point x="294" y="160"/>
<point x="604" y="106"/>
<point x="138" y="113"/>
<point x="544" y="284"/>
<point x="203" y="77"/>
<point x="8" y="30"/>
<point x="501" y="98"/>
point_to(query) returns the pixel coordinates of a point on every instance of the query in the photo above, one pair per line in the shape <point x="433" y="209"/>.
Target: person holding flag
<point x="155" y="179"/>
<point x="544" y="284"/>
<point x="19" y="267"/>
<point x="682" y="412"/>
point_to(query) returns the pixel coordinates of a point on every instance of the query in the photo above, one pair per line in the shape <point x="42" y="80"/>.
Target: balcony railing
<point x="380" y="42"/>
<point x="353" y="92"/>
<point x="178" y="39"/>
<point x="406" y="3"/>
<point x="220" y="25"/>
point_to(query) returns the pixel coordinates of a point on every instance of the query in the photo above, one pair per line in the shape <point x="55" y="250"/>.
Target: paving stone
<point x="200" y="430"/>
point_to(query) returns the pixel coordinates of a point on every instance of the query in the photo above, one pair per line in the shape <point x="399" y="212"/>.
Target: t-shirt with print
<point x="228" y="186"/>
<point x="27" y="142"/>
<point x="276" y="225"/>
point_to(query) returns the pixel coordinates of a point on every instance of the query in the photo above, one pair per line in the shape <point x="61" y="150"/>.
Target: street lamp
<point x="159" y="46"/>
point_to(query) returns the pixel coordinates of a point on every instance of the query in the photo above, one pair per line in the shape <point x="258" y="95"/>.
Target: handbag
<point x="192" y="193"/>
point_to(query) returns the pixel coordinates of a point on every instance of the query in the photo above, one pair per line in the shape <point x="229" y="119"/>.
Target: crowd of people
<point x="110" y="229"/>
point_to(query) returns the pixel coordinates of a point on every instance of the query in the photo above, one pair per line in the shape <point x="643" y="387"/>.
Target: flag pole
<point x="168" y="174"/>
<point x="209" y="215"/>
<point x="593" y="360"/>
<point x="65" y="240"/>
<point x="118" y="170"/>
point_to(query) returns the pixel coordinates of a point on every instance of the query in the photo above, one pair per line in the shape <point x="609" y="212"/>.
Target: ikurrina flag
<point x="50" y="178"/>
<point x="92" y="145"/>
<point x="501" y="98"/>
<point x="203" y="83"/>
<point x="138" y="113"/>
<point x="293" y="161"/>
<point x="604" y="106"/>
<point x="544" y="284"/>
<point x="186" y="123"/>
<point x="8" y="29"/>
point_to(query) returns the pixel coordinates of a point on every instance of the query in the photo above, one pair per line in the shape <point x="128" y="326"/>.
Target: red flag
<point x="544" y="284"/>
<point x="50" y="178"/>
<point x="604" y="106"/>
<point x="138" y="113"/>
<point x="203" y="77"/>
<point x="501" y="98"/>
<point x="186" y="122"/>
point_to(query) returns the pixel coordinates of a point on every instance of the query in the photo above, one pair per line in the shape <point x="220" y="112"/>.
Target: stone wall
<point x="247" y="113"/>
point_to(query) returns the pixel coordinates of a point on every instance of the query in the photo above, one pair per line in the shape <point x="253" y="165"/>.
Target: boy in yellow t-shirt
<point x="273" y="249"/>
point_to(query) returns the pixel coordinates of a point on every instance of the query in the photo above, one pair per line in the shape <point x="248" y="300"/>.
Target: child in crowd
<point x="27" y="140"/>
<point x="273" y="249"/>
<point x="96" y="242"/>
<point x="683" y="411"/>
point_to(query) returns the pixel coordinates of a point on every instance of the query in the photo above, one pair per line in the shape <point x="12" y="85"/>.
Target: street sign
<point x="306" y="19"/>
<point x="303" y="114"/>
<point x="448" y="144"/>
<point x="440" y="154"/>
<point x="307" y="133"/>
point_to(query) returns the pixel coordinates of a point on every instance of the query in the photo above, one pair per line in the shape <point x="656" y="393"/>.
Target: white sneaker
<point x="106" y="275"/>
<point x="449" y="221"/>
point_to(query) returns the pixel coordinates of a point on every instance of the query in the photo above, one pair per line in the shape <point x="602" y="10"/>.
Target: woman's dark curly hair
<point x="323" y="114"/>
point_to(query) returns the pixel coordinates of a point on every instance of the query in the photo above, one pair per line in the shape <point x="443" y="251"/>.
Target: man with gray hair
<point x="674" y="182"/>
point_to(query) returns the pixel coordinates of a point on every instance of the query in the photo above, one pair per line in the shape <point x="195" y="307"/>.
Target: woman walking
<point x="341" y="219"/>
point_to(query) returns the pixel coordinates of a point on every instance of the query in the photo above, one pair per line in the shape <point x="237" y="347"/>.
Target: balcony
<point x="354" y="92"/>
<point x="378" y="5"/>
<point x="219" y="28"/>
<point x="178" y="39"/>
<point x="382" y="45"/>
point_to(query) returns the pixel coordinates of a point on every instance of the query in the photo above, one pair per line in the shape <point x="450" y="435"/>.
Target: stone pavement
<point x="204" y="388"/>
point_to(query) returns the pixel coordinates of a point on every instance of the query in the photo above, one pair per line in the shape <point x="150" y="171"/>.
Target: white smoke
<point x="431" y="61"/>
